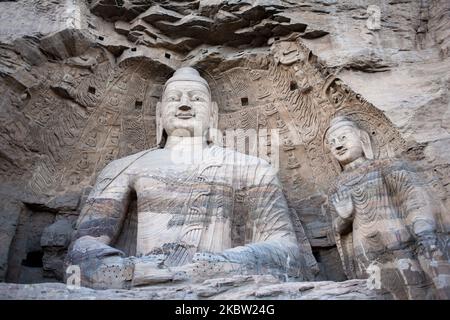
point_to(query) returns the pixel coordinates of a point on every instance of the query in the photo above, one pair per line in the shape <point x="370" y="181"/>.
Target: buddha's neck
<point x="188" y="144"/>
<point x="354" y="164"/>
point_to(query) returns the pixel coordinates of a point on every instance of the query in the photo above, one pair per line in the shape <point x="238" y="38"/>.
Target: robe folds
<point x="217" y="202"/>
<point x="394" y="218"/>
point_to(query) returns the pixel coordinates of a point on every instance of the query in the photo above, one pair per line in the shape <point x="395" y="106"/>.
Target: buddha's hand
<point x="88" y="249"/>
<point x="150" y="270"/>
<point x="342" y="202"/>
<point x="208" y="264"/>
<point x="208" y="257"/>
<point x="101" y="266"/>
<point x="205" y="265"/>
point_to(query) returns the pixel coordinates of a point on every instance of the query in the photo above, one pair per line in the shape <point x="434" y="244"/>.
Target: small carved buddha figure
<point x="186" y="192"/>
<point x="384" y="219"/>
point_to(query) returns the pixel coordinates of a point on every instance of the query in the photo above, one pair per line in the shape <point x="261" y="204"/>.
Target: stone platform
<point x="233" y="288"/>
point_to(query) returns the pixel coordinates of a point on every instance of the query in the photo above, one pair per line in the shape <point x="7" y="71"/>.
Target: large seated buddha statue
<point x="186" y="200"/>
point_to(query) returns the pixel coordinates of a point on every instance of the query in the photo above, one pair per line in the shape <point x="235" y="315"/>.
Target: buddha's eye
<point x="172" y="98"/>
<point x="197" y="98"/>
<point x="343" y="138"/>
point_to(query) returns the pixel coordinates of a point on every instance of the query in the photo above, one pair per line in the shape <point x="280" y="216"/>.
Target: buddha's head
<point x="186" y="108"/>
<point x="347" y="141"/>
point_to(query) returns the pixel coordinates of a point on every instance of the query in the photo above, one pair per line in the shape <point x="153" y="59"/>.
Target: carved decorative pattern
<point x="91" y="110"/>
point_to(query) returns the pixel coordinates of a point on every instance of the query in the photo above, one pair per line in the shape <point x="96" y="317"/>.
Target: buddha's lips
<point x="341" y="152"/>
<point x="186" y="115"/>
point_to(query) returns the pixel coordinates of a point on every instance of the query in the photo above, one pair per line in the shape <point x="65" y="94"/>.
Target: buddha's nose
<point x="184" y="108"/>
<point x="339" y="148"/>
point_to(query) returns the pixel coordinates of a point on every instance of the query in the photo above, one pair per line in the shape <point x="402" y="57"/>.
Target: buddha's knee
<point x="100" y="265"/>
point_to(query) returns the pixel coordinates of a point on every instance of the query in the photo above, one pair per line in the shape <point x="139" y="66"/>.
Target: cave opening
<point x="33" y="259"/>
<point x="316" y="255"/>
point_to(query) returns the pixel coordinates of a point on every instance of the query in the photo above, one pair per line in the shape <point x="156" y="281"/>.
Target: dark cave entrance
<point x="33" y="259"/>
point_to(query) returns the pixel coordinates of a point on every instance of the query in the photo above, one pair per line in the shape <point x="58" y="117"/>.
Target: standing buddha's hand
<point x="343" y="204"/>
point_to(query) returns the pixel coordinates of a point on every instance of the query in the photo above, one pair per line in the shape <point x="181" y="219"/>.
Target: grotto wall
<point x="80" y="81"/>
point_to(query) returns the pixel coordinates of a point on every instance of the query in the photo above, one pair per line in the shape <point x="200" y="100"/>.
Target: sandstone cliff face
<point x="80" y="81"/>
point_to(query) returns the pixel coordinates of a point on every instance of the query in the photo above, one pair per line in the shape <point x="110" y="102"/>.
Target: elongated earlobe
<point x="213" y="132"/>
<point x="214" y="115"/>
<point x="159" y="126"/>
<point x="366" y="144"/>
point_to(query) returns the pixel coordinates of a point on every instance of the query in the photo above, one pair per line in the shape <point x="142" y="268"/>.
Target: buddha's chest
<point x="368" y="187"/>
<point x="193" y="213"/>
<point x="182" y="196"/>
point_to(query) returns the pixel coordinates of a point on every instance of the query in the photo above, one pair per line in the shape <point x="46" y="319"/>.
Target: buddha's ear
<point x="214" y="115"/>
<point x="366" y="144"/>
<point x="213" y="132"/>
<point x="159" y="126"/>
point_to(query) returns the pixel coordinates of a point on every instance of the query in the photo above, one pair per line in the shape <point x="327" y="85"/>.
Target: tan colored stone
<point x="270" y="64"/>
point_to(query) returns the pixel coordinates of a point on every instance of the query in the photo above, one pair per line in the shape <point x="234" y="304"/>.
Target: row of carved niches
<point x="289" y="91"/>
<point x="89" y="111"/>
<point x="84" y="115"/>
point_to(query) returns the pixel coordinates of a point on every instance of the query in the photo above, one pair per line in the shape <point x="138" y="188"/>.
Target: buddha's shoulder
<point x="405" y="171"/>
<point x="122" y="164"/>
<point x="393" y="165"/>
<point x="238" y="158"/>
<point x="386" y="167"/>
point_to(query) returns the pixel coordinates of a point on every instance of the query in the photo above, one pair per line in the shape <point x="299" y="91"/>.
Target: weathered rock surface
<point x="239" y="288"/>
<point x="79" y="82"/>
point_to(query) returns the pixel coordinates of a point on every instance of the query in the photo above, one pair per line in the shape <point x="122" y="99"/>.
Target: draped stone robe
<point x="189" y="205"/>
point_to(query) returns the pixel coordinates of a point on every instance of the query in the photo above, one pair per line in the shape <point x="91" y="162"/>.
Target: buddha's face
<point x="186" y="108"/>
<point x="345" y="144"/>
